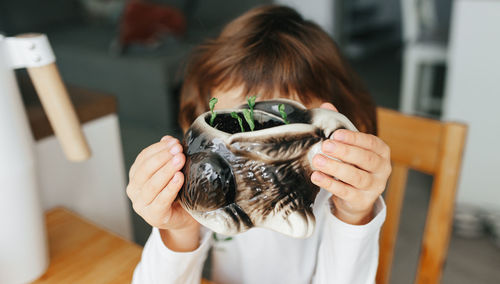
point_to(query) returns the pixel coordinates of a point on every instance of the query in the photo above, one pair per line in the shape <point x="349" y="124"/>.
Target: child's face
<point x="233" y="98"/>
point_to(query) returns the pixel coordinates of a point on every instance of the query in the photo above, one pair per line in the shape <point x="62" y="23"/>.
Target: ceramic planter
<point x="238" y="180"/>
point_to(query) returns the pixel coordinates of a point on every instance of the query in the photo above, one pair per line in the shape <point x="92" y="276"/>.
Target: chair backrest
<point x="432" y="147"/>
<point x="415" y="16"/>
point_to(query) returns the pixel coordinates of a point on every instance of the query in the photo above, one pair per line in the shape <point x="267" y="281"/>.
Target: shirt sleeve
<point x="159" y="264"/>
<point x="349" y="253"/>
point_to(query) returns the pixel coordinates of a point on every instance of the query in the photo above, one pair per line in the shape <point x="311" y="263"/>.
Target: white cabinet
<point x="95" y="189"/>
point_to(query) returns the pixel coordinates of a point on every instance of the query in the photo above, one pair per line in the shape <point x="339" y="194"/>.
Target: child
<point x="273" y="52"/>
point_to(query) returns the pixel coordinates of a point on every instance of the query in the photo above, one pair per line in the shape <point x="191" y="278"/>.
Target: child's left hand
<point x="362" y="176"/>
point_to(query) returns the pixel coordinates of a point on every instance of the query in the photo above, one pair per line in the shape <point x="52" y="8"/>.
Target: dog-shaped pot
<point x="260" y="178"/>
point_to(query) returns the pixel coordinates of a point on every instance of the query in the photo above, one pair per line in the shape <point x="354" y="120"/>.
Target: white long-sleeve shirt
<point x="335" y="253"/>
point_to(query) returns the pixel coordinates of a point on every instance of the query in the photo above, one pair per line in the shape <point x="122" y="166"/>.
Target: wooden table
<point x="81" y="252"/>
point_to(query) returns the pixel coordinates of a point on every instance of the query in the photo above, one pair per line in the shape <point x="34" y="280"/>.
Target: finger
<point x="160" y="179"/>
<point x="167" y="196"/>
<point x="172" y="145"/>
<point x="150" y="166"/>
<point x="362" y="158"/>
<point x="167" y="141"/>
<point x="345" y="172"/>
<point x="328" y="106"/>
<point x="337" y="188"/>
<point x="363" y="140"/>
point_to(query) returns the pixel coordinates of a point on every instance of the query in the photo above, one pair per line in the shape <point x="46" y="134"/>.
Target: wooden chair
<point x="432" y="147"/>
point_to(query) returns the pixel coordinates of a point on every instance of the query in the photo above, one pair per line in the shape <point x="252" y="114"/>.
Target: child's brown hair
<point x="273" y="49"/>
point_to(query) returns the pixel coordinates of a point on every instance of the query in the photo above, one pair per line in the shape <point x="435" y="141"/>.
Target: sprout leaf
<point x="251" y="104"/>
<point x="281" y="109"/>
<point x="240" y="121"/>
<point x="212" y="103"/>
<point x="248" y="117"/>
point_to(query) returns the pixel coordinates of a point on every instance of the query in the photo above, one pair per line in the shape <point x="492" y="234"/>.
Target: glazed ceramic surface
<point x="259" y="178"/>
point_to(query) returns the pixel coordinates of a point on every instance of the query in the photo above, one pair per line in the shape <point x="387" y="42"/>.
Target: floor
<point x="469" y="260"/>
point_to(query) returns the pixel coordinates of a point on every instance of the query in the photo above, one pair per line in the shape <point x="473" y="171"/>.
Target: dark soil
<point x="224" y="122"/>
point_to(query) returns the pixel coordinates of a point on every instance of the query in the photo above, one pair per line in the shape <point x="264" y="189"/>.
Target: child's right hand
<point x="154" y="181"/>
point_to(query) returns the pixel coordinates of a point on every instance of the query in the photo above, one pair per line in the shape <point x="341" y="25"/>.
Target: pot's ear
<point x="279" y="146"/>
<point x="329" y="121"/>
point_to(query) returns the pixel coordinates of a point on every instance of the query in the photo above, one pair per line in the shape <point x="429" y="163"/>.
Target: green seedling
<point x="212" y="103"/>
<point x="248" y="117"/>
<point x="251" y="104"/>
<point x="281" y="109"/>
<point x="240" y="121"/>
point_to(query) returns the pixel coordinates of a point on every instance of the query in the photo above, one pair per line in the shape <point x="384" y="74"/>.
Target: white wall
<point x="473" y="96"/>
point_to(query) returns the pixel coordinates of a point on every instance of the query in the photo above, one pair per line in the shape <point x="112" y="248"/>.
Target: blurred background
<point x="435" y="59"/>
